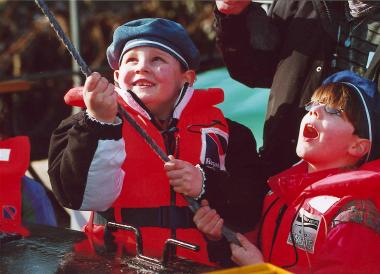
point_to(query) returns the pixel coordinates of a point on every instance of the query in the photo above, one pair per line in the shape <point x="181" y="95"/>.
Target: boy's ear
<point x="116" y="75"/>
<point x="360" y="147"/>
<point x="189" y="77"/>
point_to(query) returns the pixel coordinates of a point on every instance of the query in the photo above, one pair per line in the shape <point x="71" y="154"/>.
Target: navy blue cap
<point x="164" y="34"/>
<point x="367" y="92"/>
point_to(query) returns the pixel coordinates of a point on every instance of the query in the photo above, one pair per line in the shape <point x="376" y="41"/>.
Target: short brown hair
<point x="342" y="96"/>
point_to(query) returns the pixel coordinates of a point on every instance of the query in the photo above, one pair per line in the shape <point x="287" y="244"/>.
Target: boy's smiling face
<point x="325" y="140"/>
<point x="155" y="76"/>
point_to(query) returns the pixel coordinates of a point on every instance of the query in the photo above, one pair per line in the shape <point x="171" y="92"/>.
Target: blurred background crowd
<point x="40" y="67"/>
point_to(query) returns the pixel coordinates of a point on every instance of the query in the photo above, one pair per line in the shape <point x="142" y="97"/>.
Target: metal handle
<point x="136" y="230"/>
<point x="172" y="242"/>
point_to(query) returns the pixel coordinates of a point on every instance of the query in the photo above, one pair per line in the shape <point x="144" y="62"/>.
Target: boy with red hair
<point x="322" y="215"/>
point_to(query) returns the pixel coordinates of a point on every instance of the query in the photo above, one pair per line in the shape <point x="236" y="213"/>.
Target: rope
<point x="62" y="36"/>
<point x="193" y="204"/>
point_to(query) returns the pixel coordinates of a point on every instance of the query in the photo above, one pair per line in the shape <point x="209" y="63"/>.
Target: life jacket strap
<point x="165" y="216"/>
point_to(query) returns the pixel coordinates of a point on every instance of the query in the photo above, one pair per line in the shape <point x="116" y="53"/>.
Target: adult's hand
<point x="247" y="253"/>
<point x="184" y="177"/>
<point x="100" y="98"/>
<point x="208" y="221"/>
<point x="232" y="6"/>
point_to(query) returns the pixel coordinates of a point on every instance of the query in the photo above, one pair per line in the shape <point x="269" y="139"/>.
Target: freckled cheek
<point x="337" y="137"/>
<point x="126" y="77"/>
<point x="163" y="73"/>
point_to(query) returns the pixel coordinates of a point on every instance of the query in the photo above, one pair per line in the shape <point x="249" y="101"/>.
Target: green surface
<point x="241" y="103"/>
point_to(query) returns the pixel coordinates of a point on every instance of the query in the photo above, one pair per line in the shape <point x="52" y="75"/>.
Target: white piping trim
<point x="184" y="101"/>
<point x="127" y="97"/>
<point x="367" y="114"/>
<point x="298" y="163"/>
<point x="139" y="42"/>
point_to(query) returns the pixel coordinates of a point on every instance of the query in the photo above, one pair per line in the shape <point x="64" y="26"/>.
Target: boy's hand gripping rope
<point x="193" y="204"/>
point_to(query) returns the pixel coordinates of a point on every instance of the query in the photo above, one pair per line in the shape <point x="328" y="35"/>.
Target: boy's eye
<point x="157" y="58"/>
<point x="130" y="60"/>
<point x="330" y="110"/>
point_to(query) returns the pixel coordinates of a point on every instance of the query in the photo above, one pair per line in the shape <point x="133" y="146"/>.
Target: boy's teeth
<point x="143" y="84"/>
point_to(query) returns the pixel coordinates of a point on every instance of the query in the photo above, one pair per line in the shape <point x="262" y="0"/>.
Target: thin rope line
<point x="62" y="36"/>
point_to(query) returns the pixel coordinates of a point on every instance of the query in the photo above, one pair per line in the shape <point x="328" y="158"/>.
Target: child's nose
<point x="316" y="111"/>
<point x="141" y="66"/>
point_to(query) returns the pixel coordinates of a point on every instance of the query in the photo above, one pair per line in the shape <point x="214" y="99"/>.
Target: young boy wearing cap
<point x="99" y="162"/>
<point x="322" y="215"/>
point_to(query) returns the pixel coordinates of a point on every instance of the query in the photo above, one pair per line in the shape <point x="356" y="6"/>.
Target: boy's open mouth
<point x="310" y="132"/>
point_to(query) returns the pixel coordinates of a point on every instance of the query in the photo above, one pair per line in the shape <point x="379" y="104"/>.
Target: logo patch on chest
<point x="214" y="146"/>
<point x="305" y="230"/>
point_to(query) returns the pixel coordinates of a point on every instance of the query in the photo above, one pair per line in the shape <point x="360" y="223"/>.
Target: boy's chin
<point x="300" y="149"/>
<point x="304" y="152"/>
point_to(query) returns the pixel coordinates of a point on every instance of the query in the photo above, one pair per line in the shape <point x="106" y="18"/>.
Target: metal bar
<point x="73" y="5"/>
<point x="136" y="231"/>
<point x="166" y="254"/>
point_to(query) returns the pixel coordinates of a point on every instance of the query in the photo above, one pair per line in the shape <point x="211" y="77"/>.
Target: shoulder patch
<point x="361" y="212"/>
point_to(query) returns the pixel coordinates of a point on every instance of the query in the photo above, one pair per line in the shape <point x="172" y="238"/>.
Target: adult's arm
<point x="85" y="158"/>
<point x="252" y="42"/>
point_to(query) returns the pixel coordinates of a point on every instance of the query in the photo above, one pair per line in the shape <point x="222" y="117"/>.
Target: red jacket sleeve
<point x="349" y="248"/>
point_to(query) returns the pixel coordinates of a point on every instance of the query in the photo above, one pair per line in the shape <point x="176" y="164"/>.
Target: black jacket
<point x="288" y="51"/>
<point x="72" y="150"/>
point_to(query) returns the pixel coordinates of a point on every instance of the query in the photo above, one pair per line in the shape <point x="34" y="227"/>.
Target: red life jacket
<point x="14" y="161"/>
<point x="201" y="136"/>
<point x="311" y="206"/>
<point x="146" y="184"/>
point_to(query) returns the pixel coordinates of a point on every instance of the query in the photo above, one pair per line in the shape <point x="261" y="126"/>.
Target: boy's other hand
<point x="232" y="6"/>
<point x="208" y="221"/>
<point x="184" y="177"/>
<point x="100" y="98"/>
<point x="247" y="253"/>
